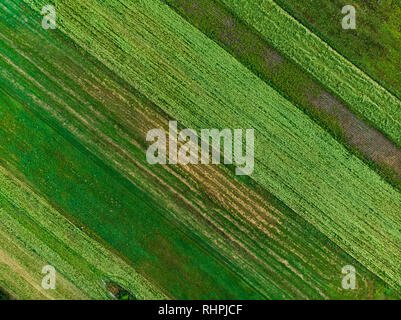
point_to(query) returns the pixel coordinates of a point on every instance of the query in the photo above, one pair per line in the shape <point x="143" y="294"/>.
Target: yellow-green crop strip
<point x="82" y="261"/>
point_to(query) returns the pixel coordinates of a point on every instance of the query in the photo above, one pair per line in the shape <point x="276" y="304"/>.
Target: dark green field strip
<point x="294" y="83"/>
<point x="294" y="261"/>
<point x="4" y="295"/>
<point x="123" y="216"/>
<point x="375" y="44"/>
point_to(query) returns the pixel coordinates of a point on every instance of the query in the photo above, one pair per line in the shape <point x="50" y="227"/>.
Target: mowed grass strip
<point x="374" y="46"/>
<point x="20" y="269"/>
<point x="33" y="234"/>
<point x="363" y="95"/>
<point x="198" y="83"/>
<point x="268" y="244"/>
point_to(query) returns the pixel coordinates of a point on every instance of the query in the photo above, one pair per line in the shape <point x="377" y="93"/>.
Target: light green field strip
<point x="33" y="234"/>
<point x="261" y="240"/>
<point x="202" y="86"/>
<point x="20" y="269"/>
<point x="362" y="94"/>
<point x="374" y="46"/>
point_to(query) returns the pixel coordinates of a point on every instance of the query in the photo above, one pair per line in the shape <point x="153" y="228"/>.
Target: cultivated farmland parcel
<point x="184" y="75"/>
<point x="376" y="104"/>
<point x="235" y="219"/>
<point x="33" y="233"/>
<point x="375" y="45"/>
<point x="298" y="86"/>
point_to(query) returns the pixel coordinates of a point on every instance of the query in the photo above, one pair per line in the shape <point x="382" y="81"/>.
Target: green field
<point x="374" y="46"/>
<point x="75" y="106"/>
<point x="377" y="105"/>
